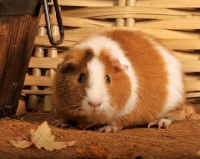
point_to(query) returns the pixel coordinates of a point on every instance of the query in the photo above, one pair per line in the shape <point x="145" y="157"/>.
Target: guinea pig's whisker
<point x="76" y="111"/>
<point x="72" y="106"/>
<point x="92" y="124"/>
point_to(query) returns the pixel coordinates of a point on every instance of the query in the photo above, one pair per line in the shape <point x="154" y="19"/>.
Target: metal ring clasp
<point x="48" y="25"/>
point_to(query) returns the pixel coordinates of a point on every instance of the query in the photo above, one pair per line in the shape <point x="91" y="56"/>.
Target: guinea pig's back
<point x="158" y="74"/>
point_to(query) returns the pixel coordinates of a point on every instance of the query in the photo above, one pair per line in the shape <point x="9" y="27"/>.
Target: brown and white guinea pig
<point x="118" y="79"/>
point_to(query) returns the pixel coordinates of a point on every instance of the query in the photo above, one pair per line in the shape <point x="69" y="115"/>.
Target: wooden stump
<point x="17" y="35"/>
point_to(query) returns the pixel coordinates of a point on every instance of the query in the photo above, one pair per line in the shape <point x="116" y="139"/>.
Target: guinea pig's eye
<point x="108" y="79"/>
<point x="81" y="78"/>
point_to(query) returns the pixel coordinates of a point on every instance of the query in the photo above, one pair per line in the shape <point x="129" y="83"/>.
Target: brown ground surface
<point x="181" y="140"/>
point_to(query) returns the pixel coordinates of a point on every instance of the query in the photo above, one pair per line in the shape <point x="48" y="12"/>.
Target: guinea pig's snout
<point x="94" y="104"/>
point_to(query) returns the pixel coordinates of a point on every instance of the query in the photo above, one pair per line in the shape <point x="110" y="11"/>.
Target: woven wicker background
<point x="174" y="22"/>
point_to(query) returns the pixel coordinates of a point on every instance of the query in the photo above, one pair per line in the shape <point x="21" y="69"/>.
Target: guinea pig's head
<point x="87" y="84"/>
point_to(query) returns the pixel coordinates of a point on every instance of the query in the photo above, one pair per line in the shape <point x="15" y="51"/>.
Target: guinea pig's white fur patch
<point x="97" y="44"/>
<point x="97" y="92"/>
<point x="175" y="84"/>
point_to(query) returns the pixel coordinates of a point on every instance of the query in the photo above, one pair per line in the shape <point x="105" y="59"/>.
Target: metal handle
<point x="59" y="20"/>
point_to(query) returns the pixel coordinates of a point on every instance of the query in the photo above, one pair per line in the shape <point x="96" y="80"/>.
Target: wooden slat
<point x="191" y="66"/>
<point x="192" y="86"/>
<point x="44" y="62"/>
<point x="38" y="81"/>
<point x="170" y="43"/>
<point x="44" y="41"/>
<point x="169" y="3"/>
<point x="76" y="22"/>
<point x="180" y="44"/>
<point x="187" y="55"/>
<point x="96" y="12"/>
<point x="85" y="2"/>
<point x="158" y="33"/>
<point x="39" y="92"/>
<point x="176" y="23"/>
<point x="193" y="95"/>
<point x="136" y="16"/>
<point x="194" y="101"/>
<point x="141" y="3"/>
<point x="177" y="39"/>
<point x="191" y="77"/>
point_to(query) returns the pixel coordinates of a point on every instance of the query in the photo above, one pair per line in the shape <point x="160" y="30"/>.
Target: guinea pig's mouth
<point x="95" y="111"/>
<point x="90" y="111"/>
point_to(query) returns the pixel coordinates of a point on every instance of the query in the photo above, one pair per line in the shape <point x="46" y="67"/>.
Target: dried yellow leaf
<point x="20" y="143"/>
<point x="42" y="137"/>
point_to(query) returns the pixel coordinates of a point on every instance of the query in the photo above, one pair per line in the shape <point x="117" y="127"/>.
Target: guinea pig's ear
<point x="117" y="65"/>
<point x="66" y="66"/>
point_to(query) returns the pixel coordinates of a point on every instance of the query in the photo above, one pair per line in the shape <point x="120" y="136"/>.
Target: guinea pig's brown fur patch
<point x="67" y="91"/>
<point x="151" y="73"/>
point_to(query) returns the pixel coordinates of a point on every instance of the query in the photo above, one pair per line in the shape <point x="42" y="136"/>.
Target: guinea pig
<point x="119" y="79"/>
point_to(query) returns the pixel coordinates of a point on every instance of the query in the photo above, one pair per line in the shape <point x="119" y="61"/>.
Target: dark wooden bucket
<point x="18" y="25"/>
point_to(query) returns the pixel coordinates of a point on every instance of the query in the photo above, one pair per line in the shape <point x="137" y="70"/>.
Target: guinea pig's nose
<point x="94" y="104"/>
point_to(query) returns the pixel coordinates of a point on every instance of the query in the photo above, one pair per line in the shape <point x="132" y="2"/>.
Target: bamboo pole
<point x="120" y="21"/>
<point x="39" y="52"/>
<point x="130" y="22"/>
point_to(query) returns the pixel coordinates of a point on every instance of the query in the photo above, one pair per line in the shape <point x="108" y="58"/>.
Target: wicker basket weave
<point x="176" y="23"/>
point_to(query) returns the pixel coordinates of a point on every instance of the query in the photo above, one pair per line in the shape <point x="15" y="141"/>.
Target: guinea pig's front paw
<point x="108" y="129"/>
<point x="59" y="123"/>
<point x="162" y="123"/>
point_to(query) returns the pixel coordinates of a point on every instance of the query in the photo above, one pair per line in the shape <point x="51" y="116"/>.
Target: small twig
<point x="20" y="135"/>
